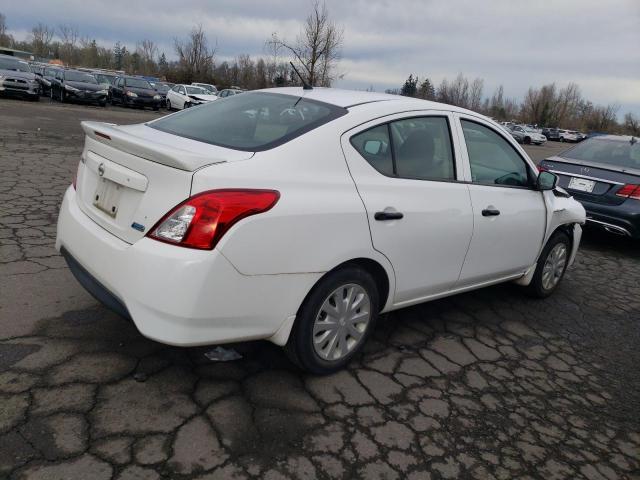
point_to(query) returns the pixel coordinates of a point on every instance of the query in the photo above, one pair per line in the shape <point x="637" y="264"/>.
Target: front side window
<point x="413" y="148"/>
<point x="251" y="122"/>
<point x="492" y="159"/>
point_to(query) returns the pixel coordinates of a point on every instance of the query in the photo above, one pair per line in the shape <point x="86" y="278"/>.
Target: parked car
<point x="527" y="135"/>
<point x="48" y="76"/>
<point x="77" y="86"/>
<point x="568" y="136"/>
<point x="581" y="136"/>
<point x="17" y="79"/>
<point x="229" y="92"/>
<point x="301" y="223"/>
<point x="185" y="96"/>
<point x="207" y="86"/>
<point x="603" y="173"/>
<point x="551" y="133"/>
<point x="134" y="92"/>
<point x="162" y="88"/>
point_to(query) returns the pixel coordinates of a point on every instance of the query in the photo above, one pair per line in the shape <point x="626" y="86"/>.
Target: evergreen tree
<point x="427" y="90"/>
<point x="410" y="87"/>
<point x="118" y="54"/>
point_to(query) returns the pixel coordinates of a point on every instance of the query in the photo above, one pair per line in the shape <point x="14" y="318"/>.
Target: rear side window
<point x="492" y="159"/>
<point x="413" y="148"/>
<point x="254" y="121"/>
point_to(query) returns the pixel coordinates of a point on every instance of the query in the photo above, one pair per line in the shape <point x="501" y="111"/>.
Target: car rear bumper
<point x="175" y="295"/>
<point x="621" y="219"/>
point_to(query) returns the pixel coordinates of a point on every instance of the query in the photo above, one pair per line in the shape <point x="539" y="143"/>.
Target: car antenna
<point x="305" y="85"/>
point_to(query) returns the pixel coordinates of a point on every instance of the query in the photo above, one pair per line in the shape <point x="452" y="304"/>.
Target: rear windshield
<point x="254" y="121"/>
<point x="609" y="152"/>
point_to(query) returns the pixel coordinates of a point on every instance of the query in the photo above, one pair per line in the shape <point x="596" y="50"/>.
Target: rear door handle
<point x="381" y="216"/>
<point x="490" y="212"/>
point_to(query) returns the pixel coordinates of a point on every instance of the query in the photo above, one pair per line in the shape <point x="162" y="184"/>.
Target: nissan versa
<point x="298" y="216"/>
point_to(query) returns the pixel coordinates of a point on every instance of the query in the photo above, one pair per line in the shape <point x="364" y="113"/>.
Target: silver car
<point x="17" y="79"/>
<point x="527" y="135"/>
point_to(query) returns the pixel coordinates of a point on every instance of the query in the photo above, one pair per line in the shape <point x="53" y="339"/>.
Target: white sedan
<point x="184" y="96"/>
<point x="299" y="216"/>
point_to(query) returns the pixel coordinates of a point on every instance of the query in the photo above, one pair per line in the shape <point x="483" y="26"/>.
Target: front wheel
<point x="168" y="105"/>
<point x="527" y="141"/>
<point x="551" y="266"/>
<point x="334" y="321"/>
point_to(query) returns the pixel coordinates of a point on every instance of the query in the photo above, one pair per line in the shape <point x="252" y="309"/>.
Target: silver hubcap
<point x="341" y="322"/>
<point x="554" y="266"/>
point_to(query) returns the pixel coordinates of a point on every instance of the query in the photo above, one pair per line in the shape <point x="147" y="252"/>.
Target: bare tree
<point x="196" y="57"/>
<point x="317" y="48"/>
<point x="475" y="94"/>
<point x="69" y="36"/>
<point x="147" y="50"/>
<point x="3" y="25"/>
<point x="631" y="124"/>
<point x="41" y="39"/>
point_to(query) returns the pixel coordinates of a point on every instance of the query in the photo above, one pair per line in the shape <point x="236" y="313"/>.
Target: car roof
<point x="352" y="98"/>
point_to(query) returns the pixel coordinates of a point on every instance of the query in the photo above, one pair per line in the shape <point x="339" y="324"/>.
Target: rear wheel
<point x="551" y="266"/>
<point x="527" y="140"/>
<point x="562" y="139"/>
<point x="334" y="321"/>
<point x="168" y="105"/>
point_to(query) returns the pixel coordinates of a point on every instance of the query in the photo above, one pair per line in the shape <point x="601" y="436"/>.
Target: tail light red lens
<point x="201" y="221"/>
<point x="629" y="191"/>
<point x="541" y="168"/>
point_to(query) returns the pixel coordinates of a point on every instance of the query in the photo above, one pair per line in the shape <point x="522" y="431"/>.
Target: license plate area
<point x="107" y="196"/>
<point x="581" y="184"/>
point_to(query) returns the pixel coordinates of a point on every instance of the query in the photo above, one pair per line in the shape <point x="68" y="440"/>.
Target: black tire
<point x="156" y="108"/>
<point x="103" y="104"/>
<point x="300" y="349"/>
<point x="562" y="139"/>
<point x="62" y="96"/>
<point x="537" y="288"/>
<point x="168" y="105"/>
<point x="527" y="141"/>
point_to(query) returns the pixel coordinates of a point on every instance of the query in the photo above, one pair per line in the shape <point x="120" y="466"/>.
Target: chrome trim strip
<point x="586" y="177"/>
<point x="609" y="227"/>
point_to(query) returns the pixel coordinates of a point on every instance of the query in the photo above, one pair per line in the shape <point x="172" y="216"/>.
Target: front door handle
<point x="381" y="216"/>
<point x="490" y="212"/>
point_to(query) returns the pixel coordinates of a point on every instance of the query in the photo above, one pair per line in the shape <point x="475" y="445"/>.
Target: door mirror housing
<point x="546" y="181"/>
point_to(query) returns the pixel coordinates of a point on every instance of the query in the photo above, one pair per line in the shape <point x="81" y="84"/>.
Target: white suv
<point x="298" y="216"/>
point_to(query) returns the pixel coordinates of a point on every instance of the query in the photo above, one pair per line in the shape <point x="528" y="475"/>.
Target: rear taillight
<point x="202" y="220"/>
<point x="629" y="191"/>
<point x="542" y="168"/>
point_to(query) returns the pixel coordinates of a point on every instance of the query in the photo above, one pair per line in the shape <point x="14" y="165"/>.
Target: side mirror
<point x="546" y="181"/>
<point x="372" y="146"/>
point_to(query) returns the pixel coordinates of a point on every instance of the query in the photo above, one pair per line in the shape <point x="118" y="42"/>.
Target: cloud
<point x="515" y="43"/>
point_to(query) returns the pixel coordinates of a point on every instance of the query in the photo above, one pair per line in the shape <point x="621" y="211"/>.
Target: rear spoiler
<point x="110" y="134"/>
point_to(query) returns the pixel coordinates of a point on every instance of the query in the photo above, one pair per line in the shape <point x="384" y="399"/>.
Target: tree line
<point x="315" y="50"/>
<point x="547" y="106"/>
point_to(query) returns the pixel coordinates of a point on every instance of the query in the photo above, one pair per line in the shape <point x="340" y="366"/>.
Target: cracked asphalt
<point x="489" y="384"/>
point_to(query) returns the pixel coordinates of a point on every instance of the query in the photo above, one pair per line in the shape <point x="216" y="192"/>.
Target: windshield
<point x="196" y="91"/>
<point x="102" y="78"/>
<point x="72" y="76"/>
<point x="609" y="152"/>
<point x="209" y="88"/>
<point x="50" y="72"/>
<point x="138" y="83"/>
<point x="14" y="64"/>
<point x="250" y="122"/>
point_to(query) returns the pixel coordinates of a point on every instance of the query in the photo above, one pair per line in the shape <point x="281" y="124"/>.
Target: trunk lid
<point x="603" y="181"/>
<point x="131" y="176"/>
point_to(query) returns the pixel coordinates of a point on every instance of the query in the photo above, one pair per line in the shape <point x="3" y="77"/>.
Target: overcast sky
<point x="517" y="43"/>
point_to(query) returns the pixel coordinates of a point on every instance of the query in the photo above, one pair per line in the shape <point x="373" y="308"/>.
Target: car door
<point x="181" y="97"/>
<point x="509" y="213"/>
<point x="406" y="170"/>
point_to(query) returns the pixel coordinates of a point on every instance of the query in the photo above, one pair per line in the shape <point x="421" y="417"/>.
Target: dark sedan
<point x="48" y="76"/>
<point x="603" y="173"/>
<point x="134" y="91"/>
<point x="162" y="88"/>
<point x="77" y="86"/>
<point x="17" y="79"/>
